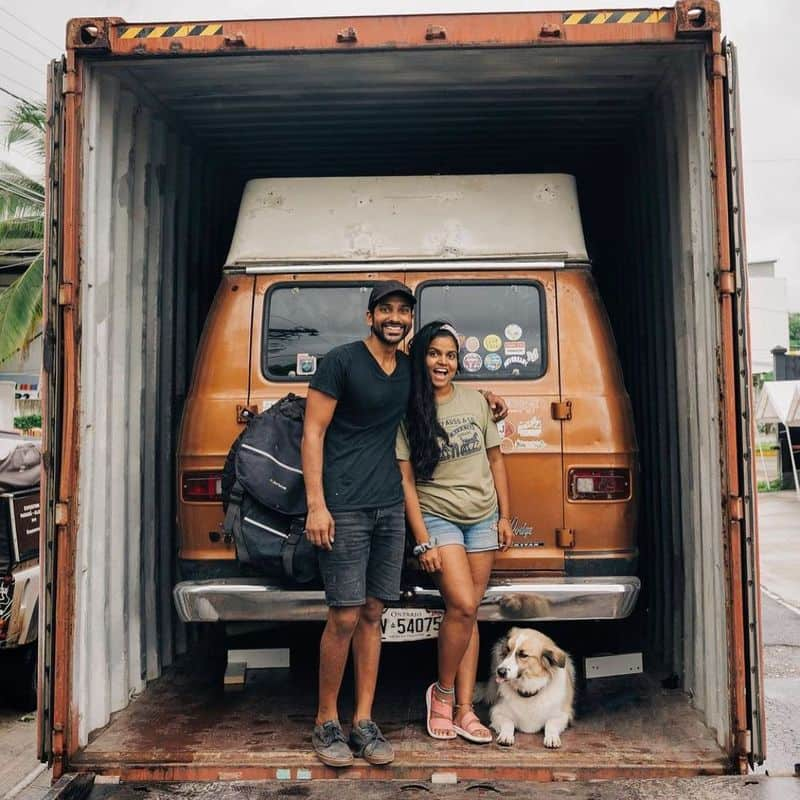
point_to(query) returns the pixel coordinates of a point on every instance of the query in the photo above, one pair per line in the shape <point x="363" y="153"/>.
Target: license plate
<point x="410" y="624"/>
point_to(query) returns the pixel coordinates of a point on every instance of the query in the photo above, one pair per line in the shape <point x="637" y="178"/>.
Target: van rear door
<point x="507" y="322"/>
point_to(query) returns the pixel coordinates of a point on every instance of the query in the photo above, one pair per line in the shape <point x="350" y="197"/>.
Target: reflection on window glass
<point x="304" y="322"/>
<point x="500" y="326"/>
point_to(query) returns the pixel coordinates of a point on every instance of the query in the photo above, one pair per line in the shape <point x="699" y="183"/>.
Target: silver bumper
<point x="543" y="599"/>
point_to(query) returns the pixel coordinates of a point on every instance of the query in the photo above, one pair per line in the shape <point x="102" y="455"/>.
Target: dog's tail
<point x="485" y="693"/>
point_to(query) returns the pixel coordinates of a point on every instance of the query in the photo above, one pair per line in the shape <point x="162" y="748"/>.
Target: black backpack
<point x="264" y="494"/>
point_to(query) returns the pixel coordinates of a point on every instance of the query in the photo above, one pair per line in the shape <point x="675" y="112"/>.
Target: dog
<point x="531" y="687"/>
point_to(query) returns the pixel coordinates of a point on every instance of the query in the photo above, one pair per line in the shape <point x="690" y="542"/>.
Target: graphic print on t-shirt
<point x="465" y="437"/>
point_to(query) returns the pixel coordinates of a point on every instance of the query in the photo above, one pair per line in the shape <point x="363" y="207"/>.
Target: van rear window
<point x="303" y="323"/>
<point x="500" y="324"/>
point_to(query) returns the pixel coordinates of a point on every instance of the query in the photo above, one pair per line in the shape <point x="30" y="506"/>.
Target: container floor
<point x="186" y="727"/>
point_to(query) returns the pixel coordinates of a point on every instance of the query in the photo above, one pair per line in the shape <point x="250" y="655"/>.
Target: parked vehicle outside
<point x="19" y="569"/>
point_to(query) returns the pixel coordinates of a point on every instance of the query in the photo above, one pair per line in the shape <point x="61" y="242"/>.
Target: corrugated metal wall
<point x="149" y="270"/>
<point x="663" y="303"/>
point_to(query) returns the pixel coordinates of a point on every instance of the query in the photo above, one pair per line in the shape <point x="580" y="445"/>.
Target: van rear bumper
<point x="544" y="599"/>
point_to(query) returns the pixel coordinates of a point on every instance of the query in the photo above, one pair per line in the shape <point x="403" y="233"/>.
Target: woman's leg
<point x="480" y="565"/>
<point x="456" y="585"/>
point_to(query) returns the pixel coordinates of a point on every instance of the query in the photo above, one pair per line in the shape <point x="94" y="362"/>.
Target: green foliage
<point x="27" y="422"/>
<point x="763" y="486"/>
<point x="22" y="231"/>
<point x="794" y="331"/>
<point x="21" y="310"/>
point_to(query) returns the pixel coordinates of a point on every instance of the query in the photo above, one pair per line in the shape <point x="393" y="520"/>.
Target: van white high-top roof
<point x="408" y="218"/>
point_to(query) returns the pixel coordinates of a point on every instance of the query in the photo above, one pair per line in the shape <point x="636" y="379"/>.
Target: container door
<point x="745" y="407"/>
<point x="51" y="403"/>
<point x="508" y="324"/>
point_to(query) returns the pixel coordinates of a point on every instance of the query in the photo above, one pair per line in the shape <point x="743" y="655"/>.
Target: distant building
<point x="769" y="313"/>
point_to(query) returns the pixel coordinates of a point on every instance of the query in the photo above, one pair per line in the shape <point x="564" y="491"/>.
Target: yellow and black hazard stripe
<point x="169" y="31"/>
<point x="646" y="16"/>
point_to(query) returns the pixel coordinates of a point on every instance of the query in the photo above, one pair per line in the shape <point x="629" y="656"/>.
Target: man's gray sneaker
<point x="330" y="745"/>
<point x="370" y="744"/>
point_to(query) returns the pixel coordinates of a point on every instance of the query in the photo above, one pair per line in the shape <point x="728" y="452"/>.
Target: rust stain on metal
<point x="237" y="40"/>
<point x="435" y="32"/>
<point x="549" y="30"/>
<point x="697" y="17"/>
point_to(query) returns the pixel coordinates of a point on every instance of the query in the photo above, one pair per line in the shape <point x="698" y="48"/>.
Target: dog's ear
<point x="555" y="657"/>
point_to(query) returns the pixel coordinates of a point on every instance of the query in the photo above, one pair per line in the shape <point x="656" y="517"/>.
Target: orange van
<point x="501" y="256"/>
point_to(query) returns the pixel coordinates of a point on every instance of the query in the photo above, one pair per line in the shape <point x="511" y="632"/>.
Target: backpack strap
<point x="233" y="520"/>
<point x="290" y="548"/>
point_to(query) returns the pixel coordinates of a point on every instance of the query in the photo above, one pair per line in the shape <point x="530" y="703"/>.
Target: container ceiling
<point x="418" y="111"/>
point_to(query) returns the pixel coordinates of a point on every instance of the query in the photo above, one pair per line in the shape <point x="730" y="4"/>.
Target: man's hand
<point x="320" y="528"/>
<point x="430" y="560"/>
<point x="497" y="404"/>
<point x="505" y="534"/>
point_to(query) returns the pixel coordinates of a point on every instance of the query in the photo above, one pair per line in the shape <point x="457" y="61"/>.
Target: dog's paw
<point x="552" y="740"/>
<point x="505" y="738"/>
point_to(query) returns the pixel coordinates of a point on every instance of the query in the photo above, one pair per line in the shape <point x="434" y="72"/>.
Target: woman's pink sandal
<point x="472" y="729"/>
<point x="441" y="714"/>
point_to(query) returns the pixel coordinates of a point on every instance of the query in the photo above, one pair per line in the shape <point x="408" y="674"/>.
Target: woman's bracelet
<point x="423" y="547"/>
<point x="507" y="519"/>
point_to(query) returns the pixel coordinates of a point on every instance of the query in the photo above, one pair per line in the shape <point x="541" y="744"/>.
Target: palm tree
<point x="22" y="231"/>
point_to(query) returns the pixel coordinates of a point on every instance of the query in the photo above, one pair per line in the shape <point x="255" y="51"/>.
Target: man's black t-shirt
<point x="360" y="469"/>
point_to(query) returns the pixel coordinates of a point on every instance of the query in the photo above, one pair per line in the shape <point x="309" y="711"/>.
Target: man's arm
<point x="319" y="413"/>
<point x="497" y="404"/>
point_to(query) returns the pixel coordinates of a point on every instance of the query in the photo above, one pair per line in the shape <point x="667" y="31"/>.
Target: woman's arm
<point x="505" y="533"/>
<point x="429" y="560"/>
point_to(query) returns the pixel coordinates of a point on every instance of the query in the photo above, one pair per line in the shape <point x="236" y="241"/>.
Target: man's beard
<point x="378" y="333"/>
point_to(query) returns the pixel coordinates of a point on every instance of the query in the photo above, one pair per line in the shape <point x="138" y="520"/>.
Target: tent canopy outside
<point x="780" y="402"/>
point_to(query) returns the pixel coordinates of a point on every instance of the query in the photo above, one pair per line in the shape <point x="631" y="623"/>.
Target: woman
<point x="456" y="498"/>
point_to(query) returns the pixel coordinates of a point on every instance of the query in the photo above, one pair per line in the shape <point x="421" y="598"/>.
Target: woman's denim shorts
<point x="478" y="537"/>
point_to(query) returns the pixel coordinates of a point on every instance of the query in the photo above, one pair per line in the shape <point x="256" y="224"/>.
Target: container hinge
<point x="744" y="741"/>
<point x="735" y="508"/>
<point x="66" y="294"/>
<point x="565" y="537"/>
<point x="562" y="410"/>
<point x="245" y="413"/>
<point x="716" y="66"/>
<point x="727" y="282"/>
<point x="62" y="513"/>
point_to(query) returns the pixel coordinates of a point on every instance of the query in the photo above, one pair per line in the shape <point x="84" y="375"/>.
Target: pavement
<point x="779" y="543"/>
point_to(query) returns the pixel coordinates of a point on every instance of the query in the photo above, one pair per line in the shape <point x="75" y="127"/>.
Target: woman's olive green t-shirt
<point x="462" y="489"/>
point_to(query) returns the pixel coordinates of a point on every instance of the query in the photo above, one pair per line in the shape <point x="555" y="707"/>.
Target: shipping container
<point x="154" y="130"/>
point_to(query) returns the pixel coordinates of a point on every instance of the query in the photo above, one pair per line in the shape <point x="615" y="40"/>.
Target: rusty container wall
<point x="145" y="289"/>
<point x="667" y="326"/>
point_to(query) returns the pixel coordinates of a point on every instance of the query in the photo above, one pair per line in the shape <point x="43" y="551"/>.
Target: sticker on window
<point x="472" y="362"/>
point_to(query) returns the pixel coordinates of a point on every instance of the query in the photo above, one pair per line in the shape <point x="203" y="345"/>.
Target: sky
<point x="765" y="33"/>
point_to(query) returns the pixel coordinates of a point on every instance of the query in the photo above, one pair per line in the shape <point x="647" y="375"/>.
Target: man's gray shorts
<point x="367" y="556"/>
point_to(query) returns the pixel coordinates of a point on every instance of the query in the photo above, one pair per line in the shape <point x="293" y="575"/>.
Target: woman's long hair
<point x="425" y="434"/>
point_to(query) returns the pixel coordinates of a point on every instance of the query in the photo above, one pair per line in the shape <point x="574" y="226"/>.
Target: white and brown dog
<point x="531" y="687"/>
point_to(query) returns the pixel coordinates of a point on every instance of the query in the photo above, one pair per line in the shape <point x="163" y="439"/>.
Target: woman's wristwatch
<point x="423" y="548"/>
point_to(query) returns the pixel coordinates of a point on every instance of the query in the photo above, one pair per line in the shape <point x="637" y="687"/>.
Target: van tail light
<point x="200" y="487"/>
<point x="599" y="484"/>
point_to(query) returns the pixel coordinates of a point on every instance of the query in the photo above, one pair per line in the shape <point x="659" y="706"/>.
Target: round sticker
<point x="472" y="343"/>
<point x="493" y="361"/>
<point x="513" y="332"/>
<point x="492" y="343"/>
<point x="472" y="362"/>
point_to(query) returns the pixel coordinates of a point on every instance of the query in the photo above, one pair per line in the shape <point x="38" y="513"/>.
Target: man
<point x="356" y="517"/>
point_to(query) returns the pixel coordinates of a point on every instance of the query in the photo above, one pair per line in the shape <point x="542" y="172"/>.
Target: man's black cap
<point x="385" y="288"/>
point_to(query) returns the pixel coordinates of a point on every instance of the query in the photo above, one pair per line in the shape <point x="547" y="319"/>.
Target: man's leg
<point x="383" y="584"/>
<point x="366" y="656"/>
<point x="333" y="650"/>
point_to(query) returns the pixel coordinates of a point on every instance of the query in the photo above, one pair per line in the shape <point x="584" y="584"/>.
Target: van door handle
<point x="562" y="410"/>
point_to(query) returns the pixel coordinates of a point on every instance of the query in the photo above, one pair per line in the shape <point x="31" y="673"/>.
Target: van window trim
<point x="537" y="284"/>
<point x="320" y="284"/>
